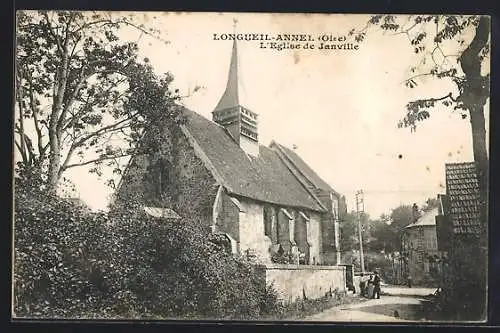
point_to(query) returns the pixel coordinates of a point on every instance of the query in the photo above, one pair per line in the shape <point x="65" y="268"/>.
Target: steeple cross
<point x="235" y="22"/>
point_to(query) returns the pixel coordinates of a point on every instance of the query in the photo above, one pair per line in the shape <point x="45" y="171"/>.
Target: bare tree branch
<point x="52" y="33"/>
<point x="417" y="76"/>
<point x="406" y="31"/>
<point x="22" y="152"/>
<point x="449" y="95"/>
<point x="34" y="111"/>
<point x="112" y="127"/>
<point x="67" y="123"/>
<point x="67" y="159"/>
<point x="19" y="97"/>
<point x="68" y="103"/>
<point x="100" y="159"/>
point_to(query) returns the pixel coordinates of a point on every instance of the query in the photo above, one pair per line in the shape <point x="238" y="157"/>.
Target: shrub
<point x="302" y="307"/>
<point x="177" y="271"/>
<point x="73" y="264"/>
<point x="280" y="258"/>
<point x="59" y="257"/>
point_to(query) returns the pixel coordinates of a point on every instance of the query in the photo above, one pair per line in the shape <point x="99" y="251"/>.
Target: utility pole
<point x="360" y="209"/>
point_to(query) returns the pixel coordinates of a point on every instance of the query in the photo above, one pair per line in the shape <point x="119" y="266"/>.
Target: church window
<point x="161" y="177"/>
<point x="268" y="220"/>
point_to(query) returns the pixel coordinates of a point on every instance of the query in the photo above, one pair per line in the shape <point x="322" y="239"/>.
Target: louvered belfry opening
<point x="239" y="121"/>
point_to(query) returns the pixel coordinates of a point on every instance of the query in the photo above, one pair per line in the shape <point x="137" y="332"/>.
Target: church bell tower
<point x="239" y="121"/>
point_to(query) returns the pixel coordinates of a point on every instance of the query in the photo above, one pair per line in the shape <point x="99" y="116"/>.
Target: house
<point x="423" y="258"/>
<point x="266" y="200"/>
<point x="460" y="232"/>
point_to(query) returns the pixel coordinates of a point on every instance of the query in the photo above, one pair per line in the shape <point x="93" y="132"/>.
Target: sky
<point x="339" y="107"/>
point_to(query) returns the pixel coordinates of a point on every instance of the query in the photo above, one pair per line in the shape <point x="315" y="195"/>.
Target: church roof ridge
<point x="263" y="178"/>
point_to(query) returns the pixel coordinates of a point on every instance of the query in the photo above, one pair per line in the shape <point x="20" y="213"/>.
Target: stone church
<point x="264" y="199"/>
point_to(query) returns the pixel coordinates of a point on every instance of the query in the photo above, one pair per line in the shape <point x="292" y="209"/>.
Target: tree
<point x="467" y="68"/>
<point x="401" y="216"/>
<point x="79" y="88"/>
<point x="431" y="36"/>
<point x="348" y="232"/>
<point x="430" y="204"/>
<point x="384" y="237"/>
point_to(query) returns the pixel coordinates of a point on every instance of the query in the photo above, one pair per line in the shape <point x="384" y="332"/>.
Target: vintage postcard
<point x="237" y="166"/>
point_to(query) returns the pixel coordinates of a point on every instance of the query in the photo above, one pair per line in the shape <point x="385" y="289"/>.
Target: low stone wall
<point x="297" y="281"/>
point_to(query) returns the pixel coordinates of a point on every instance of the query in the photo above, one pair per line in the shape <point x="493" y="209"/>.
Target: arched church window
<point x="161" y="177"/>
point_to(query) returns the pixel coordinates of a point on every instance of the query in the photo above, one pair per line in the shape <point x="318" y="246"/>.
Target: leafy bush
<point x="59" y="258"/>
<point x="280" y="258"/>
<point x="73" y="264"/>
<point x="302" y="308"/>
<point x="177" y="271"/>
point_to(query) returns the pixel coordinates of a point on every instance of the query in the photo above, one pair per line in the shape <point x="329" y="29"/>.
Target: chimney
<point x="239" y="121"/>
<point x="415" y="213"/>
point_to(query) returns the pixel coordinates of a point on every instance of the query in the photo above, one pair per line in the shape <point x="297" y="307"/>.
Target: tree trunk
<point x="19" y="98"/>
<point x="479" y="147"/>
<point x="474" y="96"/>
<point x="54" y="135"/>
<point x="54" y="162"/>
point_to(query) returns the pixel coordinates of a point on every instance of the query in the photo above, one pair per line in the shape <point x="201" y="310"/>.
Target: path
<point x="400" y="301"/>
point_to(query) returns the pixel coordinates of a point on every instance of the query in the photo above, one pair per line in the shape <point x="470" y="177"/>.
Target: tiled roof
<point x="462" y="189"/>
<point x="303" y="167"/>
<point x="264" y="178"/>
<point x="427" y="219"/>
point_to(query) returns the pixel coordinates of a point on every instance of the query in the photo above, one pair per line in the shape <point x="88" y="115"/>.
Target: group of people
<point x="370" y="286"/>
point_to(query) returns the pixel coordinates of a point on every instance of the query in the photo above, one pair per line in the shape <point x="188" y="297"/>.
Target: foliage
<point x="349" y="239"/>
<point x="430" y="204"/>
<point x="466" y="67"/>
<point x="74" y="264"/>
<point x="178" y="270"/>
<point x="302" y="308"/>
<point x="280" y="258"/>
<point x="431" y="37"/>
<point x="82" y="95"/>
<point x="385" y="238"/>
<point x="373" y="261"/>
<point x="381" y="236"/>
<point x="378" y="262"/>
<point x="401" y="216"/>
<point x="60" y="269"/>
<point x="348" y="232"/>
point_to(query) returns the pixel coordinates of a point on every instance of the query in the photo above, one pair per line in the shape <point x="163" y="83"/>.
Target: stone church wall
<point x="228" y="218"/>
<point x="251" y="230"/>
<point x="190" y="189"/>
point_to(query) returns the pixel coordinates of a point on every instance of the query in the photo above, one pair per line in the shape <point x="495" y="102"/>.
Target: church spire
<point x="240" y="122"/>
<point x="231" y="97"/>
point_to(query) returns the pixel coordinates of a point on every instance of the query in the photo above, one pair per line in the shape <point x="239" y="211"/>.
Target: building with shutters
<point x="423" y="260"/>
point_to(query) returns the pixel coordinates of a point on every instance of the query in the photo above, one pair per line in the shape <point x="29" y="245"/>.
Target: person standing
<point x="376" y="286"/>
<point x="370" y="287"/>
<point x="362" y="285"/>
<point x="409" y="280"/>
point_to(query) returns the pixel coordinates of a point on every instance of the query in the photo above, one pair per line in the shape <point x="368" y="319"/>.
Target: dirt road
<point x="397" y="304"/>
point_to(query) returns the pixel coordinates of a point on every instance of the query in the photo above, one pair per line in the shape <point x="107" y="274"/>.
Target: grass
<point x="302" y="308"/>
